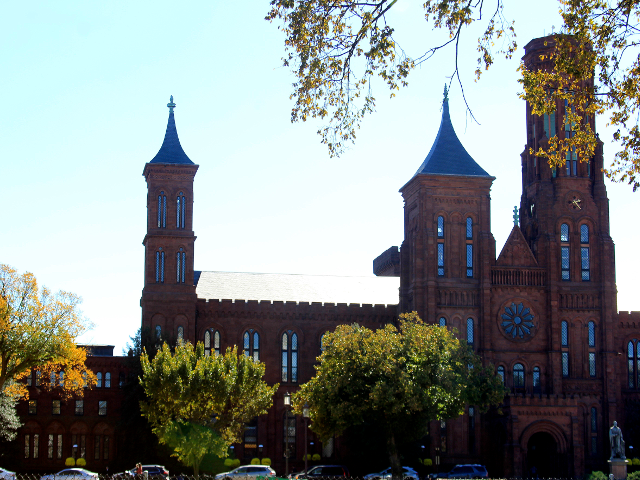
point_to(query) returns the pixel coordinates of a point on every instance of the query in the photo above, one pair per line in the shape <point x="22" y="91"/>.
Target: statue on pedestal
<point x="616" y="442"/>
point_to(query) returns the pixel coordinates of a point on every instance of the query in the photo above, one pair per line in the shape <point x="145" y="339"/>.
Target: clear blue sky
<point x="85" y="88"/>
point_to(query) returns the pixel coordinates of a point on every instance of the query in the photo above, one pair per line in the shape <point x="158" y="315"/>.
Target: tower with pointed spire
<point x="169" y="297"/>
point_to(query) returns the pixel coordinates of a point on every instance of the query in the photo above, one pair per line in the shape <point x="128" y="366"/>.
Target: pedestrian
<point x="138" y="469"/>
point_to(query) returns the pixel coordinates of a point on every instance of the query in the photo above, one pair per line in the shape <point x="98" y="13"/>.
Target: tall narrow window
<point x="469" y="228"/>
<point x="501" y="373"/>
<point x="180" y="210"/>
<point x="564" y="333"/>
<point x="50" y="445"/>
<point x="79" y="407"/>
<point x="27" y="446"/>
<point x="584" y="253"/>
<point x="443" y="436"/>
<point x="440" y="227"/>
<point x="550" y="124"/>
<point x="564" y="252"/>
<point x="162" y="210"/>
<point x="216" y="342"/>
<point x="472" y="430"/>
<point x="594" y="431"/>
<point x="37" y="378"/>
<point x="96" y="447"/>
<point x="36" y="445"/>
<point x="55" y="407"/>
<point x="518" y="378"/>
<point x="537" y="387"/>
<point x="99" y="380"/>
<point x="158" y="332"/>
<point x="564" y="342"/>
<point x="207" y="343"/>
<point x="29" y="379"/>
<point x="441" y="259"/>
<point x="59" y="447"/>
<point x="102" y="407"/>
<point x="633" y="362"/>
<point x="160" y="266"/>
<point x="469" y="260"/>
<point x="565" y="364"/>
<point x="442" y="322"/>
<point x="592" y="364"/>
<point x="107" y="380"/>
<point x="290" y="357"/>
<point x="181" y="260"/>
<point x="121" y="379"/>
<point x="289" y="434"/>
<point x="251" y="343"/>
<point x="105" y="448"/>
<point x="569" y="132"/>
<point x="33" y="407"/>
<point x="592" y="334"/>
<point x="181" y="333"/>
<point x="470" y="331"/>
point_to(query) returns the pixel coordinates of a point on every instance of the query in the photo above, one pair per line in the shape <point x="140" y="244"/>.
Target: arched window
<point x="160" y="266"/>
<point x="569" y="131"/>
<point x="216" y="342"/>
<point x="158" y="332"/>
<point x="442" y="322"/>
<point x="501" y="373"/>
<point x="592" y="334"/>
<point x="633" y="363"/>
<point x="181" y="260"/>
<point x="107" y="380"/>
<point x="441" y="227"/>
<point x="518" y="377"/>
<point x="290" y="356"/>
<point x="564" y="252"/>
<point x="469" y="246"/>
<point x="181" y="333"/>
<point x="584" y="253"/>
<point x="99" y="380"/>
<point x="162" y="210"/>
<point x="470" y="332"/>
<point x="322" y="343"/>
<point x="537" y="387"/>
<point x="180" y="210"/>
<point x="251" y="343"/>
<point x="289" y="434"/>
<point x="208" y="341"/>
<point x="440" y="230"/>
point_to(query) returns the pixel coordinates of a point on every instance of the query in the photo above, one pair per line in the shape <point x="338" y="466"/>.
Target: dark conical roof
<point x="447" y="155"/>
<point x="171" y="151"/>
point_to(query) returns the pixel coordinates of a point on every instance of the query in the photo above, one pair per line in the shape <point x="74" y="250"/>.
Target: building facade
<point x="543" y="311"/>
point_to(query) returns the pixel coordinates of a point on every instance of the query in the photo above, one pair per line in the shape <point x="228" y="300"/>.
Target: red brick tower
<point x="169" y="298"/>
<point x="448" y="247"/>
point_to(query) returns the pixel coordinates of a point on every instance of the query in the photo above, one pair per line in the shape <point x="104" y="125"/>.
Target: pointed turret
<point x="447" y="155"/>
<point x="171" y="151"/>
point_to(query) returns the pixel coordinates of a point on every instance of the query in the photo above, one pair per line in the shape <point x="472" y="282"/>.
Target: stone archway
<point x="543" y="458"/>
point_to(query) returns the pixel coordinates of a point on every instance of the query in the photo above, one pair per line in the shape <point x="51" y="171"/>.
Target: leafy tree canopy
<point x="9" y="421"/>
<point x="199" y="403"/>
<point x="337" y="49"/>
<point x="396" y="378"/>
<point x="38" y="330"/>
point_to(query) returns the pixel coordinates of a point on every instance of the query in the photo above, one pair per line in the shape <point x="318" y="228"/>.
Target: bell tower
<point x="168" y="298"/>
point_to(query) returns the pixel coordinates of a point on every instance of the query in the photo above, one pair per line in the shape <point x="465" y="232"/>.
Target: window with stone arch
<point x="180" y="210"/>
<point x="158" y="332"/>
<point x="99" y="380"/>
<point x="160" y="266"/>
<point x="518" y="378"/>
<point x="470" y="332"/>
<point x="500" y="372"/>
<point x="633" y="364"/>
<point x="585" y="266"/>
<point x="251" y="344"/>
<point x="211" y="342"/>
<point x="162" y="210"/>
<point x="181" y="261"/>
<point x="565" y="252"/>
<point x="537" y="386"/>
<point x="469" y="247"/>
<point x="440" y="231"/>
<point x="107" y="380"/>
<point x="442" y="322"/>
<point x="289" y="357"/>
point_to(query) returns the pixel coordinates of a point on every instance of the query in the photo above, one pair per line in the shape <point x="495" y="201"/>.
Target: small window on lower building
<point x="102" y="407"/>
<point x="55" y="410"/>
<point x="33" y="407"/>
<point x="79" y="407"/>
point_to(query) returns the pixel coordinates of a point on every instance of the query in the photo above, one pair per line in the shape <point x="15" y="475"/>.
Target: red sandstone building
<point x="543" y="311"/>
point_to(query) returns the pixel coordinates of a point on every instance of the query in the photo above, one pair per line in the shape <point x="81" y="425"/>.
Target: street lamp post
<point x="287" y="406"/>
<point x="305" y="414"/>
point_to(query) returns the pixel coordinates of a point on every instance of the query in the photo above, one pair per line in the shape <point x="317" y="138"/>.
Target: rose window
<point x="517" y="320"/>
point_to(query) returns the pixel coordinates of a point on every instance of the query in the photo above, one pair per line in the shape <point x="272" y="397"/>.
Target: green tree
<point x="9" y="421"/>
<point x="396" y="378"/>
<point x="38" y="330"/>
<point x="337" y="49"/>
<point x="198" y="403"/>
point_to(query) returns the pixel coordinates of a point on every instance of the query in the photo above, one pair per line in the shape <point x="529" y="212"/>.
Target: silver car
<point x="7" y="475"/>
<point x="247" y="472"/>
<point x="71" y="474"/>
<point x="408" y="473"/>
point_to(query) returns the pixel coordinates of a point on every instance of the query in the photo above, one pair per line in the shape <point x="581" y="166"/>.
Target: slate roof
<point x="447" y="155"/>
<point x="171" y="151"/>
<point x="297" y="288"/>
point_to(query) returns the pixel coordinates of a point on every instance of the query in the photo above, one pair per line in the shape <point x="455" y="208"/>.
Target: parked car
<point x="464" y="471"/>
<point x="71" y="473"/>
<point x="7" y="475"/>
<point x="247" y="472"/>
<point x="323" y="471"/>
<point x="408" y="473"/>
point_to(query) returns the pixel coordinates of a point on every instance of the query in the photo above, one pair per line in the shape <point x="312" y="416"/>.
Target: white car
<point x="247" y="472"/>
<point x="408" y="473"/>
<point x="71" y="474"/>
<point x="7" y="475"/>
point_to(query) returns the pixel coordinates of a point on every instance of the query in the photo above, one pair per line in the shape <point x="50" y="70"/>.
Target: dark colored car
<point x="465" y="471"/>
<point x="153" y="472"/>
<point x="323" y="471"/>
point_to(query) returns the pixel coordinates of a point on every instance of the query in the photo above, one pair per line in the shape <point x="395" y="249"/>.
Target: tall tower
<point x="448" y="247"/>
<point x="169" y="298"/>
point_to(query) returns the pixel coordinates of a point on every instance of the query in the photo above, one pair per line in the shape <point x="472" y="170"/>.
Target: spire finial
<point x="446" y="93"/>
<point x="171" y="105"/>
<point x="516" y="217"/>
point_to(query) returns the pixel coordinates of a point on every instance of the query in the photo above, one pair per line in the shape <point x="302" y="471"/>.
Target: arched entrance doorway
<point x="543" y="459"/>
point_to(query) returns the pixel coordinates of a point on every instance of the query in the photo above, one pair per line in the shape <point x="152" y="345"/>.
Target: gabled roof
<point x="171" y="151"/>
<point x="516" y="251"/>
<point x="447" y="155"/>
<point x="297" y="288"/>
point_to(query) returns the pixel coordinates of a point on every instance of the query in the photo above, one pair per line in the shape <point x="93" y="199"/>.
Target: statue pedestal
<point x="618" y="468"/>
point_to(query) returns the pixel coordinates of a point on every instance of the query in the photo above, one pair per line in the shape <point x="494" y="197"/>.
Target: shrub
<point x="636" y="461"/>
<point x="70" y="462"/>
<point x="316" y="457"/>
<point x="228" y="462"/>
<point x="597" y="475"/>
<point x="255" y="461"/>
<point x="633" y="476"/>
<point x="236" y="462"/>
<point x="81" y="462"/>
<point x="427" y="462"/>
<point x="266" y="461"/>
